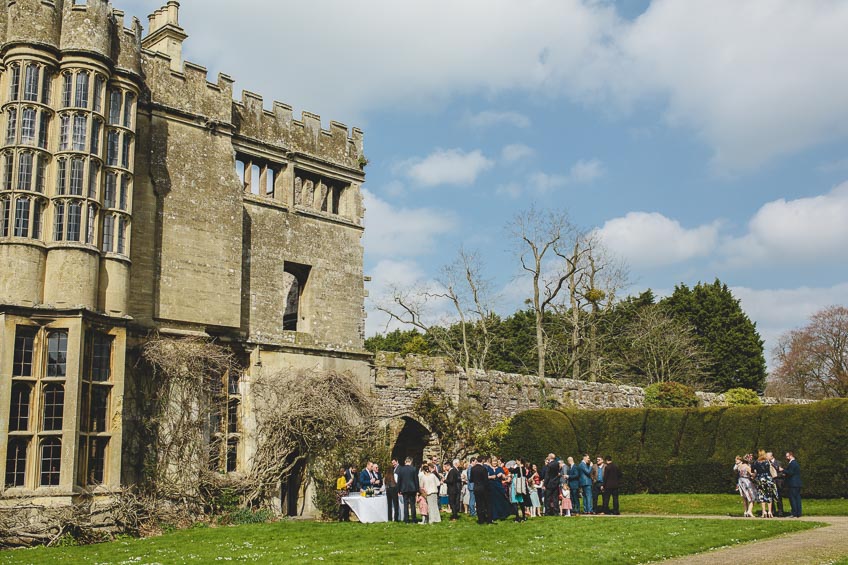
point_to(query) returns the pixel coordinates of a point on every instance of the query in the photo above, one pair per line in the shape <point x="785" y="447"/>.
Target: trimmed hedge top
<point x="692" y="449"/>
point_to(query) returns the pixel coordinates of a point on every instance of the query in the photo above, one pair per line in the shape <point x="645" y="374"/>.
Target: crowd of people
<point x="487" y="488"/>
<point x="766" y="481"/>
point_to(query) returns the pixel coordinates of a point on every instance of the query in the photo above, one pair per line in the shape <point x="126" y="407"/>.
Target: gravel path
<point x="825" y="545"/>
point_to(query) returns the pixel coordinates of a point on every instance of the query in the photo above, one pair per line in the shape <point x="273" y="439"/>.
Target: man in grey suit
<point x="407" y="482"/>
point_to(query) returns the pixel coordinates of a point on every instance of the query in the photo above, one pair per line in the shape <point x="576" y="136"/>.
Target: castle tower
<point x="68" y="97"/>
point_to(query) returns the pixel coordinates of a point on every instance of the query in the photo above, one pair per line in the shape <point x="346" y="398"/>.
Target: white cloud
<point x="402" y="232"/>
<point x="754" y="79"/>
<point x="447" y="166"/>
<point x="586" y="171"/>
<point x="583" y="171"/>
<point x="489" y="118"/>
<point x="651" y="239"/>
<point x="777" y="311"/>
<point x="516" y="152"/>
<point x="802" y="230"/>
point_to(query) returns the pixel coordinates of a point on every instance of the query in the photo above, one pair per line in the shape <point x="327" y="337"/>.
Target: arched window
<point x="96" y="126"/>
<point x="108" y="232"/>
<point x="20" y="408"/>
<point x="36" y="219"/>
<point x="91" y="225"/>
<point x="28" y="126"/>
<point x="74" y="220"/>
<point x="57" y="354"/>
<point x="80" y="130"/>
<point x="76" y="180"/>
<point x="67" y="86"/>
<point x="16" y="456"/>
<point x="5" y="212"/>
<point x="82" y="89"/>
<point x="109" y="190"/>
<point x="53" y="407"/>
<point x="59" y="221"/>
<point x="115" y="107"/>
<point x="64" y="132"/>
<point x="31" y="82"/>
<point x="51" y="461"/>
<point x="40" y="172"/>
<point x="121" y="233"/>
<point x="11" y="126"/>
<point x="98" y="93"/>
<point x="129" y="101"/>
<point x="292" y="301"/>
<point x="22" y="217"/>
<point x="43" y="128"/>
<point x="25" y="170"/>
<point x="46" y="83"/>
<point x="8" y="170"/>
<point x="112" y="148"/>
<point x="61" y="177"/>
<point x="93" y="178"/>
<point x="125" y="182"/>
<point x="14" y="82"/>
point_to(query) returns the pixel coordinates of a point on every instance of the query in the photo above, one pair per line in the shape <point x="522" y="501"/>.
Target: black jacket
<point x="407" y="479"/>
<point x="479" y="477"/>
<point x="612" y="476"/>
<point x="552" y="475"/>
<point x="453" y="480"/>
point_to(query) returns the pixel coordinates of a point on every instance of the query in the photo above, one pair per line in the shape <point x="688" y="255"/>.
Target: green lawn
<point x="717" y="505"/>
<point x="610" y="540"/>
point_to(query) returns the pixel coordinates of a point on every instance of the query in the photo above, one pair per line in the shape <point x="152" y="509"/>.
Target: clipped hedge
<point x="691" y="450"/>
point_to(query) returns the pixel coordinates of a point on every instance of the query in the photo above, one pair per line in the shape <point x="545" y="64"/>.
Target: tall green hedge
<point x="682" y="450"/>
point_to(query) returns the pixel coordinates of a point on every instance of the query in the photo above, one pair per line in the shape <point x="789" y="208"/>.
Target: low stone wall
<point x="398" y="381"/>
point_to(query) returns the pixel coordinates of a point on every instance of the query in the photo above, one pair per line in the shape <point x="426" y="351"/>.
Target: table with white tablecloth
<point x="368" y="509"/>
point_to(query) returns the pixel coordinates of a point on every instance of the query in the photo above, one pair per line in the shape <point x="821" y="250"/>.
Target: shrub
<point x="691" y="450"/>
<point x="741" y="397"/>
<point x="670" y="395"/>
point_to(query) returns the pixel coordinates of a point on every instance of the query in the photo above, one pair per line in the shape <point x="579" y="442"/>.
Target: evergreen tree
<point x="729" y="337"/>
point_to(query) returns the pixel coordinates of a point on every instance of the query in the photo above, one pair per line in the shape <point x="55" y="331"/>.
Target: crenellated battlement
<point x="189" y="91"/>
<point x="277" y="126"/>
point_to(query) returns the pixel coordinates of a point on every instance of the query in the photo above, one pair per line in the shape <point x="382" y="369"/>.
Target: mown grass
<point x="718" y="505"/>
<point x="609" y="540"/>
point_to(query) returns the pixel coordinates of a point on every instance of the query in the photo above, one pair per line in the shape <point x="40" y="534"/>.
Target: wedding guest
<point x="612" y="482"/>
<point x="342" y="486"/>
<point x="766" y="488"/>
<point x="534" y="484"/>
<point x="392" y="493"/>
<point x="793" y="483"/>
<point x="745" y="486"/>
<point x="430" y="488"/>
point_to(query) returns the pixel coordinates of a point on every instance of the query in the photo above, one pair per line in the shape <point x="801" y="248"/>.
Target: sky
<point x="701" y="139"/>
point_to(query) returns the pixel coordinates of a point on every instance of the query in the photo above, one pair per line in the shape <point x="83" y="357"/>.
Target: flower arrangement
<point x="369" y="491"/>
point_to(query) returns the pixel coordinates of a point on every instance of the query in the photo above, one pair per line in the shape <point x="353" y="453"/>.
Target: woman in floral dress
<point x="766" y="487"/>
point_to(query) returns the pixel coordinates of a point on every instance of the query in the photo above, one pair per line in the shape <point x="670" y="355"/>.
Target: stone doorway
<point x="411" y="441"/>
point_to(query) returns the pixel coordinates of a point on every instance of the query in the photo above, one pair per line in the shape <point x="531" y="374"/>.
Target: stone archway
<point x="411" y="441"/>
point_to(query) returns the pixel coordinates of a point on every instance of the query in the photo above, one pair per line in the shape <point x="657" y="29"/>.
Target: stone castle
<point x="137" y="197"/>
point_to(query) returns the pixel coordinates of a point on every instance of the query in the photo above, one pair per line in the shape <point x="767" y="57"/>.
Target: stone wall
<point x="399" y="381"/>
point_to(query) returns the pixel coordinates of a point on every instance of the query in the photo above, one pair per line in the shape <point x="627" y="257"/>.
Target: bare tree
<point x="546" y="250"/>
<point x="661" y="348"/>
<point x="462" y="286"/>
<point x="812" y="362"/>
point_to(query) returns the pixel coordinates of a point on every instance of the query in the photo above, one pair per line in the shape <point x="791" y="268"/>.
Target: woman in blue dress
<point x="500" y="505"/>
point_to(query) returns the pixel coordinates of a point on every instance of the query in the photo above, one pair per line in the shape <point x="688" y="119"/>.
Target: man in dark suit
<point x="612" y="482"/>
<point x="792" y="472"/>
<point x="552" y="483"/>
<point x="407" y="476"/>
<point x="584" y="471"/>
<point x="453" y="480"/>
<point x="480" y="480"/>
<point x="352" y="478"/>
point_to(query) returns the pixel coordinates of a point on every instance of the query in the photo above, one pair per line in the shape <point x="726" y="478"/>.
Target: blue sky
<point x="702" y="139"/>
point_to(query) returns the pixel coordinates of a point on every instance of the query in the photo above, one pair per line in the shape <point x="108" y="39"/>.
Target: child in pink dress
<point x="423" y="509"/>
<point x="565" y="500"/>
